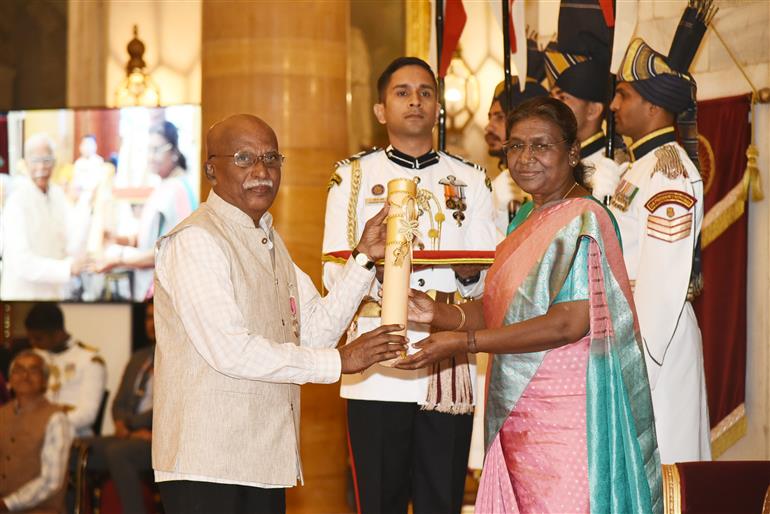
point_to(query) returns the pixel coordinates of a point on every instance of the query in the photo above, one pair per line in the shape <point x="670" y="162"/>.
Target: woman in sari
<point x="569" y="424"/>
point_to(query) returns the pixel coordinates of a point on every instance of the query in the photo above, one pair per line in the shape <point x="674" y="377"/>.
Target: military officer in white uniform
<point x="577" y="68"/>
<point x="78" y="375"/>
<point x="401" y="452"/>
<point x="659" y="208"/>
<point x="507" y="196"/>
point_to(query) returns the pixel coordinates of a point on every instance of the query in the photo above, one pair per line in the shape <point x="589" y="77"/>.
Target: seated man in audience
<point x="35" y="438"/>
<point x="78" y="374"/>
<point x="127" y="454"/>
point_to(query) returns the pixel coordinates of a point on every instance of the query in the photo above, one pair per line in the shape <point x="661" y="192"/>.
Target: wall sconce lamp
<point x="461" y="93"/>
<point x="137" y="88"/>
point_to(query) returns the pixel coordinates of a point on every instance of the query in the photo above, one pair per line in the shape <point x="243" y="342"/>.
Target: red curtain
<point x="723" y="125"/>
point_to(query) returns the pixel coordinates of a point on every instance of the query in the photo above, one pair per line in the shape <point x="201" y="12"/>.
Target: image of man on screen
<point x="43" y="237"/>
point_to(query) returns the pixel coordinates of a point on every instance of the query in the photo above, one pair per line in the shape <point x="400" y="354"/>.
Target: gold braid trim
<point x="669" y="163"/>
<point x="355" y="188"/>
<point x="729" y="431"/>
<point x="730" y="208"/>
<point x="672" y="489"/>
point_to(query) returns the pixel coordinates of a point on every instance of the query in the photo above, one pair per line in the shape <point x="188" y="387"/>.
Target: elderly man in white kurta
<point x="43" y="238"/>
<point x="659" y="209"/>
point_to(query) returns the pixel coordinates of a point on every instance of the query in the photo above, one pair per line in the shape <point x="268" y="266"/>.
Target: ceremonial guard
<point x="507" y="196"/>
<point x="578" y="71"/>
<point x="406" y="444"/>
<point x="78" y="375"/>
<point x="659" y="208"/>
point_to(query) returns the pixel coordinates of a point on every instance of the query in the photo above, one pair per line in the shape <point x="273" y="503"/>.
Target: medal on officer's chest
<point x="454" y="197"/>
<point x="54" y="383"/>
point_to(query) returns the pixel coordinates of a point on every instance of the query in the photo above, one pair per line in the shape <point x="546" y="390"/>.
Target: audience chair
<point x="719" y="487"/>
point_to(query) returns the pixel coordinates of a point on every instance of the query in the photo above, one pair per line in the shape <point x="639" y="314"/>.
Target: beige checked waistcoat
<point x="207" y="423"/>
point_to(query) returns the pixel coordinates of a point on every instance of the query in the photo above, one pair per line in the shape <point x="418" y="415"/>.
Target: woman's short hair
<point x="170" y="133"/>
<point x="556" y="112"/>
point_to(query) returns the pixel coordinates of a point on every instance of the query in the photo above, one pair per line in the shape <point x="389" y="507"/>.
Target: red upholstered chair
<point x="729" y="487"/>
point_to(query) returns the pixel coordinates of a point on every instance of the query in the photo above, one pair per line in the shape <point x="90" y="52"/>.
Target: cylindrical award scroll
<point x="401" y="231"/>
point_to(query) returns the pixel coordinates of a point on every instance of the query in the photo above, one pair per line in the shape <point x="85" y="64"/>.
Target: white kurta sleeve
<point x="324" y="319"/>
<point x="17" y="250"/>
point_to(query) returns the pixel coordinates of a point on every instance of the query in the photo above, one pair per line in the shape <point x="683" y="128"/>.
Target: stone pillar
<point x="86" y="53"/>
<point x="286" y="62"/>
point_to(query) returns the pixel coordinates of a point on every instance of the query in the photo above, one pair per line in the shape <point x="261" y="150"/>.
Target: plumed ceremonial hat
<point x="579" y="75"/>
<point x="579" y="63"/>
<point x="662" y="80"/>
<point x="650" y="74"/>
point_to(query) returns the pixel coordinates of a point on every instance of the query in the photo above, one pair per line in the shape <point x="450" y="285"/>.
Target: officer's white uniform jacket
<point x="602" y="173"/>
<point x="659" y="209"/>
<point x="477" y="232"/>
<point x="78" y="379"/>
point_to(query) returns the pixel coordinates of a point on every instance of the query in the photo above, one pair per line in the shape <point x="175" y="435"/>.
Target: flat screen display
<point x="86" y="193"/>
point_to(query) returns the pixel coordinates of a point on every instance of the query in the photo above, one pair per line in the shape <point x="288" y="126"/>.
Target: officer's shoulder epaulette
<point x="354" y="157"/>
<point x="466" y="162"/>
<point x="669" y="163"/>
<point x="88" y="347"/>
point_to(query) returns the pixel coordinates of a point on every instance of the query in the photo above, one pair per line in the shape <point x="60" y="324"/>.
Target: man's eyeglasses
<point x="536" y="149"/>
<point x="46" y="161"/>
<point x="246" y="159"/>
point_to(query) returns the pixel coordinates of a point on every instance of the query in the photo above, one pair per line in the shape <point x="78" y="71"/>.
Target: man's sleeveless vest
<point x="205" y="422"/>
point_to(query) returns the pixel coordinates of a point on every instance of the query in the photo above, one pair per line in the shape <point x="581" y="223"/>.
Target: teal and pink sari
<point x="569" y="429"/>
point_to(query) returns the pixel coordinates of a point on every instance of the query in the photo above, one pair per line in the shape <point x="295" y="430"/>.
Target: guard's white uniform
<point x="659" y="208"/>
<point x="604" y="175"/>
<point x="505" y="190"/>
<point x="78" y="379"/>
<point x="477" y="232"/>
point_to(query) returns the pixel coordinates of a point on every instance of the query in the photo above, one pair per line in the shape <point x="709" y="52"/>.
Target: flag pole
<point x="507" y="56"/>
<point x="439" y="44"/>
<point x="609" y="117"/>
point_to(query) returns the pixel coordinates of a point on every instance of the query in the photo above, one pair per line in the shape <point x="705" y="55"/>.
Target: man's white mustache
<point x="257" y="182"/>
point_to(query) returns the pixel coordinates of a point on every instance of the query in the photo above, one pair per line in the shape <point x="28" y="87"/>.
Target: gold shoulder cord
<point x="355" y="187"/>
<point x="669" y="163"/>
